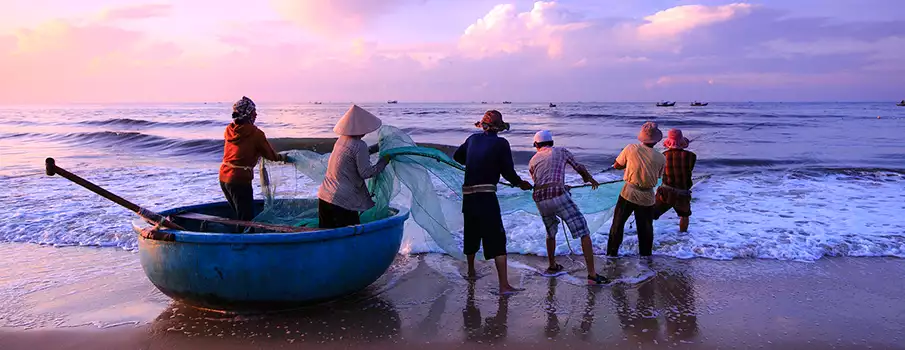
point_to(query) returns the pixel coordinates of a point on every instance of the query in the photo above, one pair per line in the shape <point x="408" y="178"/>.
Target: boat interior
<point x="217" y="217"/>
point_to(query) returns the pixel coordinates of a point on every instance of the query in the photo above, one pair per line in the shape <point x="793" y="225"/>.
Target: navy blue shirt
<point x="486" y="156"/>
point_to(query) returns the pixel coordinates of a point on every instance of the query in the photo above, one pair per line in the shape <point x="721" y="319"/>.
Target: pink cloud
<point x="544" y="52"/>
<point x="336" y="17"/>
<point x="680" y="19"/>
<point x="70" y="62"/>
<point x="504" y="30"/>
<point x="62" y="37"/>
<point x="136" y="12"/>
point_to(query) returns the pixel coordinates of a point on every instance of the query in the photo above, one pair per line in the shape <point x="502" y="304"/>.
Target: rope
<point x="722" y="131"/>
<point x="24" y="175"/>
<point x="600" y="183"/>
<point x="567" y="237"/>
<point x="571" y="252"/>
<point x="611" y="168"/>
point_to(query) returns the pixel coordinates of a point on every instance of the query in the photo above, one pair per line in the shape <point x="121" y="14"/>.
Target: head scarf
<point x="492" y="122"/>
<point x="244" y="110"/>
<point x="650" y="133"/>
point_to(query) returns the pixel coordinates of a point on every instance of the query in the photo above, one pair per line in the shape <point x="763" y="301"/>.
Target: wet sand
<point x="98" y="298"/>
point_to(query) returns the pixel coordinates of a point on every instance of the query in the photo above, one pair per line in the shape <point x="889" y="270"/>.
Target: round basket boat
<point x="265" y="271"/>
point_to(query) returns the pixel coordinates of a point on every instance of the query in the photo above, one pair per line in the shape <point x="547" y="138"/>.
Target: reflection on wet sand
<point x="350" y="321"/>
<point x="418" y="305"/>
<point x="666" y="300"/>
<point x="587" y="317"/>
<point x="551" y="330"/>
<point x="494" y="329"/>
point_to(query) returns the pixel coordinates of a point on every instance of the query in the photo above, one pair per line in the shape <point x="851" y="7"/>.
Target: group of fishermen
<point x="487" y="157"/>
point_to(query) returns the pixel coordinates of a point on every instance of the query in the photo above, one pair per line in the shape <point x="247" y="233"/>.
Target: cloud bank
<point x="543" y="52"/>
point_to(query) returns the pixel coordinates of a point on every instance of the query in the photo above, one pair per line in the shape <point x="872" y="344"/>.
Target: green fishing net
<point x="425" y="180"/>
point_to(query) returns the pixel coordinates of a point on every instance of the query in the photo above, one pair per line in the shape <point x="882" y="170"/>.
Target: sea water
<point x="790" y="181"/>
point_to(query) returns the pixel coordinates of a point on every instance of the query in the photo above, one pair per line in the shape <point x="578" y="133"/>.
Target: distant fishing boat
<point x="901" y="104"/>
<point x="483" y="102"/>
<point x="666" y="104"/>
<point x="317" y="103"/>
<point x="507" y="102"/>
<point x="699" y="104"/>
<point x="392" y="102"/>
<point x="552" y="105"/>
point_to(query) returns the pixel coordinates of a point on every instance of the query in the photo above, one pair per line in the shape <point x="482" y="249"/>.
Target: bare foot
<point x="507" y="290"/>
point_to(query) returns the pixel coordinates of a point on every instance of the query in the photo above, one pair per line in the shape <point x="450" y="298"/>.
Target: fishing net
<point x="425" y="180"/>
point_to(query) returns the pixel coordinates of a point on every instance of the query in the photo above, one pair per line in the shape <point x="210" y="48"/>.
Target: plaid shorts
<point x="562" y="207"/>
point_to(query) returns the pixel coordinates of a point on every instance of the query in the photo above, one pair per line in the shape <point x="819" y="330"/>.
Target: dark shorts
<point x="241" y="200"/>
<point x="667" y="199"/>
<point x="483" y="225"/>
<point x="334" y="216"/>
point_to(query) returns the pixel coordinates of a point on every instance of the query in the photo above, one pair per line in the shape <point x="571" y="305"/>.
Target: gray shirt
<point x="347" y="169"/>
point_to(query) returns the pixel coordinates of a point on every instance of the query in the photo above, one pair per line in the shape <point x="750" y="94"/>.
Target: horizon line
<point x="314" y="102"/>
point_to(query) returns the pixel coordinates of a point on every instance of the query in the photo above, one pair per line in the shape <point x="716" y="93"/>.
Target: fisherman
<point x="244" y="144"/>
<point x="643" y="167"/>
<point x="675" y="191"/>
<point x="343" y="195"/>
<point x="486" y="157"/>
<point x="548" y="170"/>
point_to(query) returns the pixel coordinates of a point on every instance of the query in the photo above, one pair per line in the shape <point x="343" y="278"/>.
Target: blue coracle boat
<point x="265" y="271"/>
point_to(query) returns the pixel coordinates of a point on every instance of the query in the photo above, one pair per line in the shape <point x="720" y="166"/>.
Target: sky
<point x="112" y="51"/>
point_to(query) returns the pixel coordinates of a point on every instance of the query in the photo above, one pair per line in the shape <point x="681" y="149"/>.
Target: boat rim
<point x="291" y="237"/>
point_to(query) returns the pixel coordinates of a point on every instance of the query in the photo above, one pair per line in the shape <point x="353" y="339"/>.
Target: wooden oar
<point x="154" y="218"/>
<point x="149" y="216"/>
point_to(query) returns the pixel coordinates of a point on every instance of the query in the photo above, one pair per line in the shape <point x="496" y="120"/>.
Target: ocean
<point x="789" y="181"/>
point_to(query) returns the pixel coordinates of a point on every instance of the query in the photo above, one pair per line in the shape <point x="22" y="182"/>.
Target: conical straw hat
<point x="357" y="121"/>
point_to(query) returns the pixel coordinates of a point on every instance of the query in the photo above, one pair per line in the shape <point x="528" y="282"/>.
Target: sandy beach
<point x="91" y="298"/>
<point x="758" y="146"/>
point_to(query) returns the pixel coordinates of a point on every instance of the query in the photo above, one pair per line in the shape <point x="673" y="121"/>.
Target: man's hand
<point x="618" y="166"/>
<point x="594" y="184"/>
<point x="525" y="186"/>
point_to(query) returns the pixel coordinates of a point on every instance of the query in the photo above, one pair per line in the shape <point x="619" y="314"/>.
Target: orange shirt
<point x="243" y="145"/>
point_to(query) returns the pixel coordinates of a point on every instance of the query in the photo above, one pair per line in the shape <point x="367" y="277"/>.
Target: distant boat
<point x="699" y="104"/>
<point x="507" y="102"/>
<point x="666" y="104"/>
<point x="392" y="102"/>
<point x="317" y="103"/>
<point x="901" y="104"/>
<point x="552" y="105"/>
<point x="483" y="102"/>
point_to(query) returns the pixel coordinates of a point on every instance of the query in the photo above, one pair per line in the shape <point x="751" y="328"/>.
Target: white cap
<point x="357" y="121"/>
<point x="543" y="136"/>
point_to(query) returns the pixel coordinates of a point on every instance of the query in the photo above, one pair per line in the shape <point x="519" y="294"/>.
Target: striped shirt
<point x="347" y="169"/>
<point x="548" y="169"/>
<point x="679" y="164"/>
